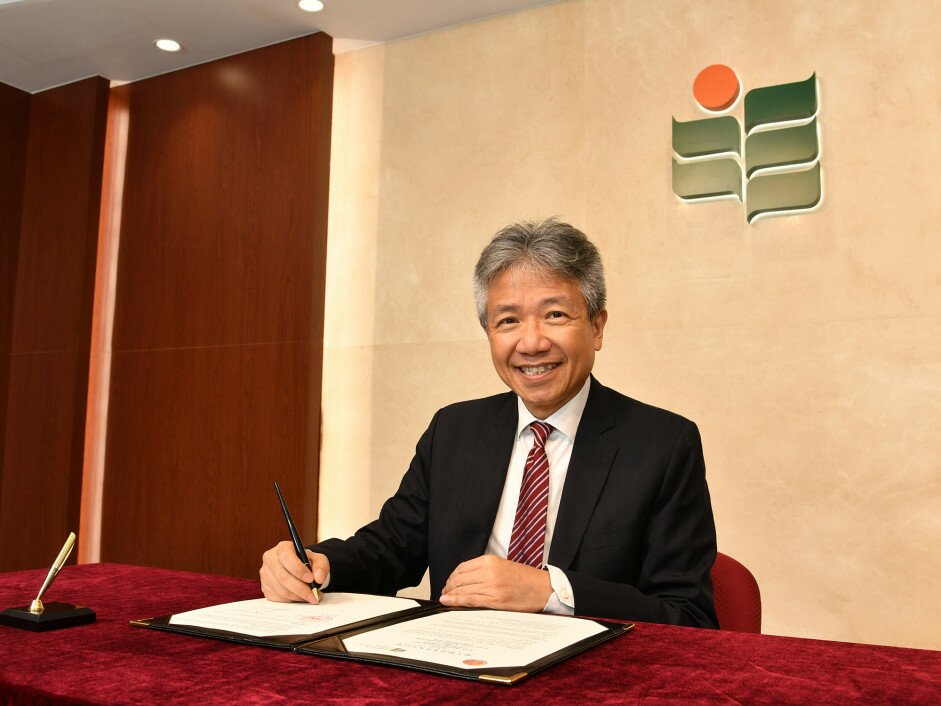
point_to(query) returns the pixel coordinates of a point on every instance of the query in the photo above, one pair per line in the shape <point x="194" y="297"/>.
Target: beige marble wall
<point x="806" y="348"/>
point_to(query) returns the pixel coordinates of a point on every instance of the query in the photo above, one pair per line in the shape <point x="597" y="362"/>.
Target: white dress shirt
<point x="559" y="445"/>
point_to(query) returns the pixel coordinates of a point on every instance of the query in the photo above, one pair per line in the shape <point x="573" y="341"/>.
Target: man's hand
<point x="491" y="582"/>
<point x="284" y="578"/>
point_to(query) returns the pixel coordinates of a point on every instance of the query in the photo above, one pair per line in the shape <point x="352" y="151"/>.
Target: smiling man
<point x="560" y="496"/>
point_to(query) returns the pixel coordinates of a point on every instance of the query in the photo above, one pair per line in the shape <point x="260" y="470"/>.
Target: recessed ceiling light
<point x="168" y="45"/>
<point x="310" y="5"/>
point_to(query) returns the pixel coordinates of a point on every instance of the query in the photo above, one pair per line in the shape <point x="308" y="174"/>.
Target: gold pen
<point x="36" y="607"/>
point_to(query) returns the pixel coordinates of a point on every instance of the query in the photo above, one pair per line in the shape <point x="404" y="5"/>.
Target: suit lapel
<point x="588" y="469"/>
<point x="486" y="475"/>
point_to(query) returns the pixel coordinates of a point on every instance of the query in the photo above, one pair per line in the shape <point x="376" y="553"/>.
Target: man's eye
<point x="556" y="315"/>
<point x="506" y="322"/>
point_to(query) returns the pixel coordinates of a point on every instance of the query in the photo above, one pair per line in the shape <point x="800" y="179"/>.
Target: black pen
<point x="298" y="546"/>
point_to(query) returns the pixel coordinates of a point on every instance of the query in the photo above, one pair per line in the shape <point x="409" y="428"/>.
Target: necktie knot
<point x="541" y="431"/>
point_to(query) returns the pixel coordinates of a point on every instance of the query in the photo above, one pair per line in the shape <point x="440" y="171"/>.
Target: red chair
<point x="738" y="600"/>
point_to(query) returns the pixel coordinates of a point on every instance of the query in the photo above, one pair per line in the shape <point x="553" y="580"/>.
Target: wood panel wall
<point x="51" y="323"/>
<point x="217" y="341"/>
<point x="14" y="130"/>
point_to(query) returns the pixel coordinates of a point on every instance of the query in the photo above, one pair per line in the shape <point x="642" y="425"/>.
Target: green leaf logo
<point x="772" y="165"/>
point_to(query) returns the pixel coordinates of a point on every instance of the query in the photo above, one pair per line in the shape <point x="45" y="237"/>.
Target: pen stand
<point x="53" y="617"/>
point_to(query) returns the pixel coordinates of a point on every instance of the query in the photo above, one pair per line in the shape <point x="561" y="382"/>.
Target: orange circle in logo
<point x="716" y="87"/>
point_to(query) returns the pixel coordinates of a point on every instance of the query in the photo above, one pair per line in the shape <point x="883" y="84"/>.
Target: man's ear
<point x="601" y="318"/>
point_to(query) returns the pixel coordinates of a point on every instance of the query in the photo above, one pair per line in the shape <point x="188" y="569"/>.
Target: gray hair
<point x="551" y="247"/>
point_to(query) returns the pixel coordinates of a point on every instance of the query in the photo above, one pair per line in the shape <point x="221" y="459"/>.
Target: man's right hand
<point x="284" y="578"/>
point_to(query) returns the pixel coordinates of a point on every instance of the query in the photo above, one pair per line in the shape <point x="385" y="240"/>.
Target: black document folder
<point x="286" y="642"/>
<point x="334" y="646"/>
<point x="332" y="643"/>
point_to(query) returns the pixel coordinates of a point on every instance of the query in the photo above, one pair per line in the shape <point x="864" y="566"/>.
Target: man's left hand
<point x="491" y="582"/>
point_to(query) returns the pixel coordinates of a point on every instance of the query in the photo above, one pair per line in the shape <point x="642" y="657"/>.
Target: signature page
<point x="263" y="618"/>
<point x="476" y="638"/>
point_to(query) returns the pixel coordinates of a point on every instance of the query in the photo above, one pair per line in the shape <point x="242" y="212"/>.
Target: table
<point x="111" y="662"/>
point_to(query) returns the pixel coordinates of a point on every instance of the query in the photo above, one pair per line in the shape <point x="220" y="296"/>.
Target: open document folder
<point x="486" y="645"/>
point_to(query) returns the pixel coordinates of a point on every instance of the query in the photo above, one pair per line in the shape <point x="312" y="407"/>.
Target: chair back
<point x="737" y="598"/>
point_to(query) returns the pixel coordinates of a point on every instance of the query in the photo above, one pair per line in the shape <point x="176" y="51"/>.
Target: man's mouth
<point x="531" y="370"/>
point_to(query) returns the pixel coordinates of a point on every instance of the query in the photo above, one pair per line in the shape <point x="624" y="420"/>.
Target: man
<point x="561" y="496"/>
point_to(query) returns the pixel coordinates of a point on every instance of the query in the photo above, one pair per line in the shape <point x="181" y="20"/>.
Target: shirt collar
<point x="565" y="419"/>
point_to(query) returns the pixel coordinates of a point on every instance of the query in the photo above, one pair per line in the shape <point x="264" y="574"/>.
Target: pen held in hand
<point x="298" y="545"/>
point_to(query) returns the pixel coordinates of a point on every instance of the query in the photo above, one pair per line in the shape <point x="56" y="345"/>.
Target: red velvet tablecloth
<point x="114" y="663"/>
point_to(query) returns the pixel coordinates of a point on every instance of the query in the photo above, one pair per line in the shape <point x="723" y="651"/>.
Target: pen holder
<point x="53" y="617"/>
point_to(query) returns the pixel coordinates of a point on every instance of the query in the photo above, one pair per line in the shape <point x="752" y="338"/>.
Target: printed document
<point x="475" y="639"/>
<point x="263" y="618"/>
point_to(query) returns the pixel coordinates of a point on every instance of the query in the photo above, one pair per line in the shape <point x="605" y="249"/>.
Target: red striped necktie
<point x="529" y="528"/>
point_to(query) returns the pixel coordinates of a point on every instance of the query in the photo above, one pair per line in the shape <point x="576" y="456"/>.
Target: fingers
<point x="493" y="582"/>
<point x="480" y="570"/>
<point x="467" y="600"/>
<point x="278" y="583"/>
<point x="474" y="583"/>
<point x="284" y="578"/>
<point x="320" y="566"/>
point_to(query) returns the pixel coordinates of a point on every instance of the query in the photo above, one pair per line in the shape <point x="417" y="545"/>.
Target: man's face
<point x="541" y="340"/>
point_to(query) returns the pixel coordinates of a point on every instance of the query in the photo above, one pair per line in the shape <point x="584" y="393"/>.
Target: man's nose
<point x="532" y="340"/>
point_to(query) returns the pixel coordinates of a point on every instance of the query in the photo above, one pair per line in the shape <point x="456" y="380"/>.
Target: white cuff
<point x="562" y="601"/>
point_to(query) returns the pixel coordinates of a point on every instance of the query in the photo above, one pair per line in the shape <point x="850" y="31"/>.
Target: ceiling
<point x="46" y="43"/>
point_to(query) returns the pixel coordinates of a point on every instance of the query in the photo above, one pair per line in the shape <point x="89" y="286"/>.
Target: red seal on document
<point x="475" y="662"/>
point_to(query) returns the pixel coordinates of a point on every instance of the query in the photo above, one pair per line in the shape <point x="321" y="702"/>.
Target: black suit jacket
<point x="634" y="531"/>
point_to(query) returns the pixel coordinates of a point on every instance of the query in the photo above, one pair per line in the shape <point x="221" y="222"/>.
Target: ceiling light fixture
<point x="310" y="5"/>
<point x="167" y="44"/>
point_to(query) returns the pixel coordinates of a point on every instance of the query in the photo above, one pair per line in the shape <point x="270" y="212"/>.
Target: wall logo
<point x="772" y="165"/>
